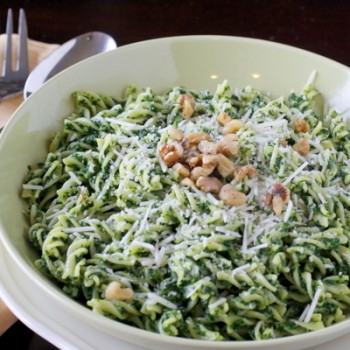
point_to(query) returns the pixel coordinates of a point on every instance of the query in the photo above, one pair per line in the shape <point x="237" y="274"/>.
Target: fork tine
<point x="7" y="68"/>
<point x="22" y="64"/>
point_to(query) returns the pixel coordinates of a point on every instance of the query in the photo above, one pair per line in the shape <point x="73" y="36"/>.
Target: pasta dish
<point x="215" y="216"/>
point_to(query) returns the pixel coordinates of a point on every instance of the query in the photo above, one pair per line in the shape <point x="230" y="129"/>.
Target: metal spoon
<point x="71" y="52"/>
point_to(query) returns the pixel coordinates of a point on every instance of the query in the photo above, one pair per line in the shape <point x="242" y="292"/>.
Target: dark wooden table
<point x="320" y="26"/>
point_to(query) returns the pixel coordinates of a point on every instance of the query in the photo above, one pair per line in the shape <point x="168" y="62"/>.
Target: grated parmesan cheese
<point x="305" y="312"/>
<point x="245" y="235"/>
<point x="313" y="305"/>
<point x="217" y="303"/>
<point x="295" y="173"/>
<point x="156" y="299"/>
<point x="79" y="229"/>
<point x="227" y="232"/>
<point x="240" y="268"/>
<point x="130" y="126"/>
<point x="288" y="211"/>
<point x="74" y="177"/>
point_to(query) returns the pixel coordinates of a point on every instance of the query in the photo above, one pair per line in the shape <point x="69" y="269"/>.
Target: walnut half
<point x="187" y="103"/>
<point x="230" y="196"/>
<point x="114" y="291"/>
<point x="209" y="184"/>
<point x="302" y="147"/>
<point x="277" y="198"/>
<point x="171" y="153"/>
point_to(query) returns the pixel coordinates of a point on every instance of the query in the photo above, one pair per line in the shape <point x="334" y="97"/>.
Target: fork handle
<point x="9" y="89"/>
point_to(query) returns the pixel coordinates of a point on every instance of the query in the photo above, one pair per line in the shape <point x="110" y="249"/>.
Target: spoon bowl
<point x="71" y="52"/>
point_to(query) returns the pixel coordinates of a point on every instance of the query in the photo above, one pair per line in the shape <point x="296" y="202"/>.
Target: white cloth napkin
<point x="36" y="52"/>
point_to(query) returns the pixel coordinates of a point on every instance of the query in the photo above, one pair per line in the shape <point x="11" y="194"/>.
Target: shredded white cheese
<point x="313" y="305"/>
<point x="240" y="268"/>
<point x="79" y="229"/>
<point x="156" y="299"/>
<point x="295" y="173"/>
<point x="74" y="177"/>
<point x="288" y="211"/>
<point x="217" y="303"/>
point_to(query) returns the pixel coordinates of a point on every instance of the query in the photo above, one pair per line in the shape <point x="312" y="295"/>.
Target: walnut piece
<point x="247" y="170"/>
<point x="193" y="159"/>
<point x="283" y="143"/>
<point x="187" y="103"/>
<point x="209" y="161"/>
<point x="228" y="145"/>
<point x="233" y="126"/>
<point x="197" y="137"/>
<point x="171" y="153"/>
<point x="223" y="118"/>
<point x="114" y="291"/>
<point x="187" y="182"/>
<point x="174" y="133"/>
<point x="230" y="196"/>
<point x="181" y="169"/>
<point x="207" y="147"/>
<point x="209" y="184"/>
<point x="225" y="166"/>
<point x="199" y="171"/>
<point x="302" y="147"/>
<point x="301" y="125"/>
<point x="278" y="197"/>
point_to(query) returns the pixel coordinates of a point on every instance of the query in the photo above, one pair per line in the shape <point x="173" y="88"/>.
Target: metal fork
<point x="12" y="81"/>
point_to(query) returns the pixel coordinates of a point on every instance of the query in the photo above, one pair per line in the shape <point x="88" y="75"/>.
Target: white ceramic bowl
<point x="198" y="62"/>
